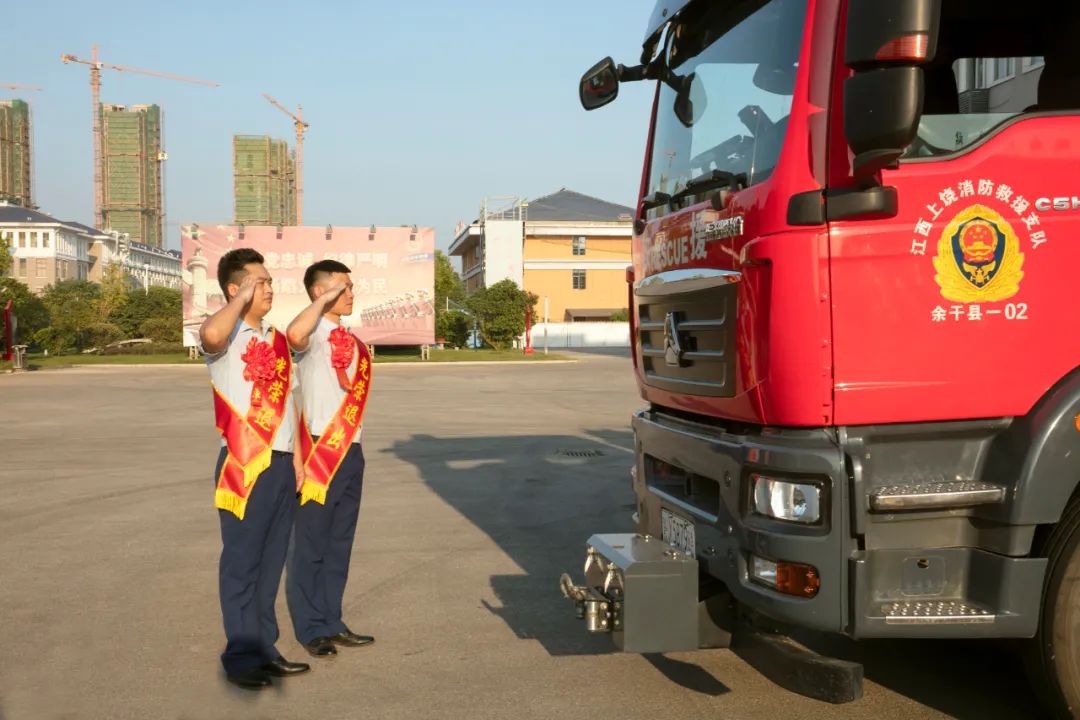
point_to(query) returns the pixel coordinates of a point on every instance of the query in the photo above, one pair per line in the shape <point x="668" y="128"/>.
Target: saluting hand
<point x="332" y="294"/>
<point x="246" y="292"/>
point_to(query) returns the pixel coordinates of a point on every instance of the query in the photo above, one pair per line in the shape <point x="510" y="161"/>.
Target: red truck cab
<point x="862" y="415"/>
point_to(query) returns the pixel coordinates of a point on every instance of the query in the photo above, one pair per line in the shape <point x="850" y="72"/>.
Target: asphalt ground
<point x="109" y="546"/>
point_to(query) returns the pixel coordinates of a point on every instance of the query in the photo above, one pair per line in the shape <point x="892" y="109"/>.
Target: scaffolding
<point x="15" y="163"/>
<point x="131" y="169"/>
<point x="264" y="181"/>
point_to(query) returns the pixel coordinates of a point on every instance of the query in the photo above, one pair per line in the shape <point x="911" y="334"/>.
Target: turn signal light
<point x="785" y="577"/>
<point x="910" y="48"/>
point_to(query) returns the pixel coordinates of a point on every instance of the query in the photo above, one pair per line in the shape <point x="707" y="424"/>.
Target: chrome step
<point x="935" y="612"/>
<point x="937" y="495"/>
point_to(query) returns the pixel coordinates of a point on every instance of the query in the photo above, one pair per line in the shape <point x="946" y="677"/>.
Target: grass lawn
<point x="411" y="355"/>
<point x="393" y="355"/>
<point x="39" y="362"/>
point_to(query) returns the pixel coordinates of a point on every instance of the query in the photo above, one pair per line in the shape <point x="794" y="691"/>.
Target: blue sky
<point x="417" y="109"/>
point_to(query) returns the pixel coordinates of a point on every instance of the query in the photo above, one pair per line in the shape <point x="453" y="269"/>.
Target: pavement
<point x="471" y="510"/>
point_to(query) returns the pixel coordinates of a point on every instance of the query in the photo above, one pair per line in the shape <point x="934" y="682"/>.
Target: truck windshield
<point x="741" y="60"/>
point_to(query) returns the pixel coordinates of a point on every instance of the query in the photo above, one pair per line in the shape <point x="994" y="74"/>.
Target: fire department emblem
<point x="978" y="258"/>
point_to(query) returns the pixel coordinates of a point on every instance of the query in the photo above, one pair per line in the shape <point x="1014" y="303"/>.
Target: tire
<point x="1053" y="657"/>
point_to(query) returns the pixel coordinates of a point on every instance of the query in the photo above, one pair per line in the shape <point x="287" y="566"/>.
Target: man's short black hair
<point x="232" y="264"/>
<point x="311" y="275"/>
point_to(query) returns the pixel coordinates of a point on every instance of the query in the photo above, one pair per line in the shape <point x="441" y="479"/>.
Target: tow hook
<point x="598" y="611"/>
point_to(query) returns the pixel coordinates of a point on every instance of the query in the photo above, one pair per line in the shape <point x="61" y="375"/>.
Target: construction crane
<point x="301" y="128"/>
<point x="17" y="86"/>
<point x="96" y="66"/>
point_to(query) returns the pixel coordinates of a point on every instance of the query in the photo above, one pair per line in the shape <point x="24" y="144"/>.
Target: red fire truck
<point x="862" y="381"/>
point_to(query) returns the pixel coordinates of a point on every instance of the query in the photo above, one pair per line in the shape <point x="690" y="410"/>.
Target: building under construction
<point x="131" y="158"/>
<point x="15" y="185"/>
<point x="264" y="181"/>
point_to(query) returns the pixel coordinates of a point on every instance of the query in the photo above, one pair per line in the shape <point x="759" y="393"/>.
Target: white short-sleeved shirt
<point x="227" y="374"/>
<point x="320" y="392"/>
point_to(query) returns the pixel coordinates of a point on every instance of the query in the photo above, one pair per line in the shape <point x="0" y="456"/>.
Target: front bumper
<point x="727" y="533"/>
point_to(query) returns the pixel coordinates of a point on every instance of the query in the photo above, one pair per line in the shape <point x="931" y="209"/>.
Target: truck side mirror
<point x="881" y="116"/>
<point x="599" y="85"/>
<point x="887" y="43"/>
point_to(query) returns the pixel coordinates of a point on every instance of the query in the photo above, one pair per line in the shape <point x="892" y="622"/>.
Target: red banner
<point x="323" y="458"/>
<point x="249" y="440"/>
<point x="393" y="274"/>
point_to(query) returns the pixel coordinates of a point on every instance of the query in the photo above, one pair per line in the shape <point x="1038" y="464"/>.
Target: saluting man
<point x="335" y="375"/>
<point x="256" y="481"/>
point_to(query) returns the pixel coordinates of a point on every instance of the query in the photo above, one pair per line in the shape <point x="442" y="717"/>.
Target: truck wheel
<point x="1054" y="653"/>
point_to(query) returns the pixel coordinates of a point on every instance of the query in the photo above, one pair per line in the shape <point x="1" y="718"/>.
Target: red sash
<point x="249" y="440"/>
<point x="322" y="459"/>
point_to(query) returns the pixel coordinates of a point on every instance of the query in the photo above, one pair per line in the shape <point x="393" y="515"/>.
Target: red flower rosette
<point x="342" y="346"/>
<point x="259" y="361"/>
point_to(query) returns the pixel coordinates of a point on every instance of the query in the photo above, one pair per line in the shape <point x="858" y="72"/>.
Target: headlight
<point x="786" y="500"/>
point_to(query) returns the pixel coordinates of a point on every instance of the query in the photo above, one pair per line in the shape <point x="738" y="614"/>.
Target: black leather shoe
<point x="254" y="679"/>
<point x="351" y="639"/>
<point x="280" y="667"/>
<point x="321" y="647"/>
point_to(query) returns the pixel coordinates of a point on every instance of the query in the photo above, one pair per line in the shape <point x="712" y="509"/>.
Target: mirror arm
<point x="632" y="74"/>
<point x="656" y="70"/>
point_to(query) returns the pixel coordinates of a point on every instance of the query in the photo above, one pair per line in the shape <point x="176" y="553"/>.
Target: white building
<point x="998" y="85"/>
<point x="45" y="250"/>
<point x="146" y="266"/>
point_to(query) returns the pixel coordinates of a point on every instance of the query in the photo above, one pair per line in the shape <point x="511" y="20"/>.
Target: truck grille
<point x="686" y="331"/>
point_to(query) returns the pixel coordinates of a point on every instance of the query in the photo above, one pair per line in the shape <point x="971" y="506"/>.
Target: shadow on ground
<point x="965" y="679"/>
<point x="539" y="499"/>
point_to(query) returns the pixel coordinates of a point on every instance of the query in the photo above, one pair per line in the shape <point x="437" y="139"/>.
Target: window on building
<point x="45" y="239"/>
<point x="41" y="268"/>
<point x="33" y="239"/>
<point x="22" y="267"/>
<point x="978" y="82"/>
<point x="1004" y="68"/>
<point x="22" y="239"/>
<point x="579" y="279"/>
<point x="579" y="246"/>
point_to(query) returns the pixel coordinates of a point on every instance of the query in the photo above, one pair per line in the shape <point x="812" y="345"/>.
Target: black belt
<point x="279" y="453"/>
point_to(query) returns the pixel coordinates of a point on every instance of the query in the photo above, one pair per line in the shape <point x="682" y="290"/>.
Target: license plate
<point x="678" y="532"/>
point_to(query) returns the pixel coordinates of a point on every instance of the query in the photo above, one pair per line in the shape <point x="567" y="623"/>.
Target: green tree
<point x="447" y="282"/>
<point x="454" y="327"/>
<point x="101" y="334"/>
<point x="30" y="311"/>
<point x="620" y="316"/>
<point x="163" y="330"/>
<point x="142" y="305"/>
<point x="73" y="307"/>
<point x="113" y="294"/>
<point x="6" y="261"/>
<point x="500" y="312"/>
<point x="448" y="285"/>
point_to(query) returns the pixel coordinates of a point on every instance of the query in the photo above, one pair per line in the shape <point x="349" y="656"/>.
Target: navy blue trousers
<point x="252" y="557"/>
<point x="322" y="547"/>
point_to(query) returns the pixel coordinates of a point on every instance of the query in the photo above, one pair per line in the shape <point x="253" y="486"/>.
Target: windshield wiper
<point x="710" y="181"/>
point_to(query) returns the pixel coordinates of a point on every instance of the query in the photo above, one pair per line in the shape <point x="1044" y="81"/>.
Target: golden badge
<point x="978" y="258"/>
